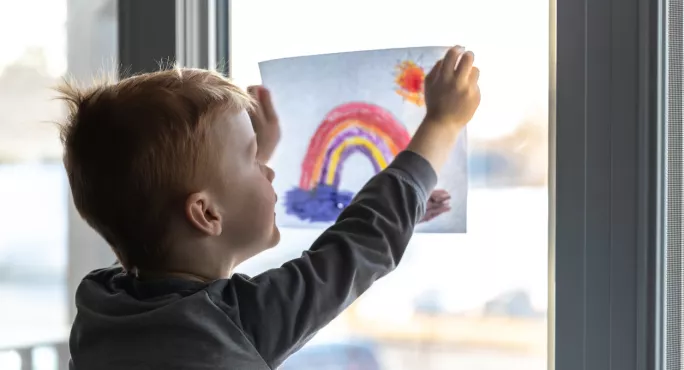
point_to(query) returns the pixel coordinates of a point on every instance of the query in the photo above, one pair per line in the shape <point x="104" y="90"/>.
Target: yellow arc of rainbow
<point x="318" y="166"/>
<point x="353" y="141"/>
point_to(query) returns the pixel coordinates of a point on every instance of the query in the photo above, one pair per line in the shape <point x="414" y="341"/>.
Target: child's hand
<point x="451" y="91"/>
<point x="264" y="122"/>
<point x="451" y="97"/>
<point x="437" y="204"/>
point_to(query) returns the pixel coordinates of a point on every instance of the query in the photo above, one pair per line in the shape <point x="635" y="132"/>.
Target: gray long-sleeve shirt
<point x="124" y="323"/>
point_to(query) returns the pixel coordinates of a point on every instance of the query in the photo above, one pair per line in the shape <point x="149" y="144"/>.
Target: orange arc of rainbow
<point x="318" y="165"/>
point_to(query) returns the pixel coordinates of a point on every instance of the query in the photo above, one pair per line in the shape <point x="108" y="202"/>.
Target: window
<point x="674" y="238"/>
<point x="469" y="301"/>
<point x="33" y="189"/>
<point x="41" y="41"/>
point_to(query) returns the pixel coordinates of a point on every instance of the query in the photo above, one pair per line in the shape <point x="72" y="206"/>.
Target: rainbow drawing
<point x="350" y="128"/>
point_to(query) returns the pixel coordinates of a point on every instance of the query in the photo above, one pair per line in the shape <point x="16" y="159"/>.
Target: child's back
<point x="165" y="167"/>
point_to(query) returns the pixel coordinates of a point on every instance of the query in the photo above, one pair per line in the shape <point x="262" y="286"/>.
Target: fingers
<point x="439" y="196"/>
<point x="463" y="70"/>
<point x="253" y="91"/>
<point x="474" y="75"/>
<point x="437" y="204"/>
<point x="256" y="114"/>
<point x="434" y="212"/>
<point x="460" y="63"/>
<point x="266" y="104"/>
<point x="434" y="72"/>
<point x="264" y="109"/>
<point x="451" y="59"/>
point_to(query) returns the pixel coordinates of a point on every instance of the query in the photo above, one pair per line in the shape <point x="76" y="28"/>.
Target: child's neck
<point x="151" y="275"/>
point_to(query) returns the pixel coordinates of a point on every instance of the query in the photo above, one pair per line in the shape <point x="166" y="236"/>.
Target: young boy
<point x="166" y="167"/>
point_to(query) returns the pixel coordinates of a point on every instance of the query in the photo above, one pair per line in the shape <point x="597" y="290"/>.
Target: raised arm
<point x="281" y="309"/>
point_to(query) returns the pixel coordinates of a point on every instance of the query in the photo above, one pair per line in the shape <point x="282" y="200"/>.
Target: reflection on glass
<point x="477" y="300"/>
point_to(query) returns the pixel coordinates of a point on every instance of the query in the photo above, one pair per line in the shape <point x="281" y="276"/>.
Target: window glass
<point x="34" y="193"/>
<point x="466" y="301"/>
<point x="33" y="189"/>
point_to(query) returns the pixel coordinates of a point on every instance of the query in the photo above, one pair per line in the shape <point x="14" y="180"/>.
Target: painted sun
<point x="409" y="79"/>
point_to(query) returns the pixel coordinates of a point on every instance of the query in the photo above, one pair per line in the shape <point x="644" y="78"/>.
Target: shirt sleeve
<point x="281" y="309"/>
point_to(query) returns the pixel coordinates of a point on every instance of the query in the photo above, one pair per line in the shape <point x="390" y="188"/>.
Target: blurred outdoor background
<point x="476" y="301"/>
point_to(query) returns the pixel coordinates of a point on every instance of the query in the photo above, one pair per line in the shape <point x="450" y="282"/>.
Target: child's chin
<point x="275" y="236"/>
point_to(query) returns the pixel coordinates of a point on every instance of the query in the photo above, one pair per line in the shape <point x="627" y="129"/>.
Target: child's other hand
<point x="265" y="123"/>
<point x="452" y="94"/>
<point x="437" y="204"/>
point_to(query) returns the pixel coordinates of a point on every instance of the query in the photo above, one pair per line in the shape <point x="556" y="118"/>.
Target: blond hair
<point x="134" y="149"/>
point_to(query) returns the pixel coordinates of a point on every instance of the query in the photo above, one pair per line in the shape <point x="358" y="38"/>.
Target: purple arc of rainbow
<point x="352" y="133"/>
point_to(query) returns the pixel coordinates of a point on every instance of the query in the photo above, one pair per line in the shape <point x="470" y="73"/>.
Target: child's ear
<point x="202" y="214"/>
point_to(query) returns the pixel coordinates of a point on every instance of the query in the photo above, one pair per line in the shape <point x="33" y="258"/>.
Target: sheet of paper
<point x="344" y="118"/>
